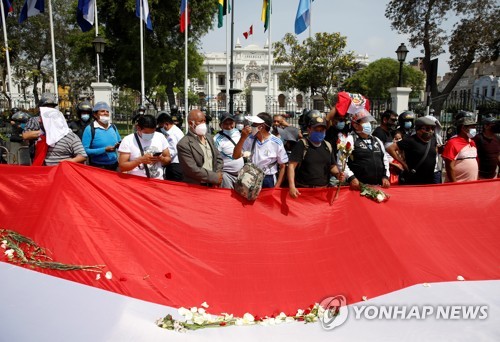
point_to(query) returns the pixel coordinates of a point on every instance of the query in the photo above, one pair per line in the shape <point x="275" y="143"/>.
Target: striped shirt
<point x="68" y="147"/>
<point x="267" y="154"/>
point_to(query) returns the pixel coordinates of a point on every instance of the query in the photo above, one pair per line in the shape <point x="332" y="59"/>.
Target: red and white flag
<point x="248" y="33"/>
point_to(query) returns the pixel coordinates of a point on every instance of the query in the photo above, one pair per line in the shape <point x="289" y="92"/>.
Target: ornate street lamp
<point x="401" y="52"/>
<point x="99" y="46"/>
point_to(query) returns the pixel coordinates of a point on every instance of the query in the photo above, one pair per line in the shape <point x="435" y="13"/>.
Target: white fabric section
<point x="90" y="15"/>
<point x="31" y="8"/>
<point x="157" y="144"/>
<point x="226" y="148"/>
<point x="37" y="307"/>
<point x="266" y="153"/>
<point x="54" y="124"/>
<point x="175" y="134"/>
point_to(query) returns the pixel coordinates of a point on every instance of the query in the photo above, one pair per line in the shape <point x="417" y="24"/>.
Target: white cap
<point x="254" y="119"/>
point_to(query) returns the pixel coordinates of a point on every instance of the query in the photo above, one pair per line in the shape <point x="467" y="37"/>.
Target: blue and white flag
<point x="31" y="8"/>
<point x="85" y="14"/>
<point x="303" y="17"/>
<point x="145" y="13"/>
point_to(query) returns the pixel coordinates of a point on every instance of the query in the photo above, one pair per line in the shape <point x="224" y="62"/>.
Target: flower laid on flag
<point x="198" y="318"/>
<point x="374" y="194"/>
<point x="21" y="250"/>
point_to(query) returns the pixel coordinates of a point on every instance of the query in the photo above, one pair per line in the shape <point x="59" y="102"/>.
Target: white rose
<point x="380" y="197"/>
<point x="201" y="310"/>
<point x="9" y="253"/>
<point x="248" y="318"/>
<point x="109" y="275"/>
<point x="289" y="319"/>
<point x="239" y="322"/>
<point x="205" y="305"/>
<point x="199" y="320"/>
<point x="194" y="309"/>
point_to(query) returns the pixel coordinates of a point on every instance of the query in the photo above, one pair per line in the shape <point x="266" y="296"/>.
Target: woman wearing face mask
<point x="369" y="163"/>
<point x="460" y="152"/>
<point x="100" y="139"/>
<point x="84" y="114"/>
<point x="144" y="152"/>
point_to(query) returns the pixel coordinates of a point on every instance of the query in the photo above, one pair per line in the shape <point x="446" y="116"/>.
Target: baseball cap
<point x="317" y="121"/>
<point x="363" y="114"/>
<point x="226" y="116"/>
<point x="466" y="121"/>
<point x="254" y="119"/>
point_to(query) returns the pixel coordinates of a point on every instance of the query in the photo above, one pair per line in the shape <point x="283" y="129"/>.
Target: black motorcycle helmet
<point x="83" y="107"/>
<point x="407" y="115"/>
<point x="20" y="117"/>
<point x="174" y="109"/>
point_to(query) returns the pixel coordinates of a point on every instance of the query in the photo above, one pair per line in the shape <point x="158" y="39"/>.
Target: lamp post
<point x="99" y="46"/>
<point x="24" y="84"/>
<point x="401" y="52"/>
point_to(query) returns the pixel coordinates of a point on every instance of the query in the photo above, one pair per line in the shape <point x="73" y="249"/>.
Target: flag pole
<point x="141" y="32"/>
<point x="269" y="58"/>
<point x="7" y="56"/>
<point x="310" y="18"/>
<point x="97" y="35"/>
<point x="53" y="53"/>
<point x="228" y="51"/>
<point x="186" y="81"/>
<point x="231" y="71"/>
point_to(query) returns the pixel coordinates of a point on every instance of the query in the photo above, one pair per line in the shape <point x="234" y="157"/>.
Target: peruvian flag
<point x="159" y="250"/>
<point x="248" y="33"/>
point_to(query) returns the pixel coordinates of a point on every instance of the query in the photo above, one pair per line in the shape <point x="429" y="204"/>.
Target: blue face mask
<point x="229" y="132"/>
<point x="147" y="136"/>
<point x="85" y="117"/>
<point x="317" y="137"/>
<point x="23" y="125"/>
<point x="407" y="124"/>
<point x="367" y="128"/>
<point x="340" y="125"/>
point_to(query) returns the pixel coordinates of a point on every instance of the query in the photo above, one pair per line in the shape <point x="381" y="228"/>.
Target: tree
<point x="476" y="35"/>
<point x="163" y="48"/>
<point x="375" y="80"/>
<point x="317" y="64"/>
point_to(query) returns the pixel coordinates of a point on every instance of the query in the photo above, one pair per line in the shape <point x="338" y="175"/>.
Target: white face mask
<point x="472" y="133"/>
<point x="201" y="129"/>
<point x="85" y="117"/>
<point x="105" y="119"/>
<point x="147" y="136"/>
<point x="255" y="130"/>
<point x="239" y="127"/>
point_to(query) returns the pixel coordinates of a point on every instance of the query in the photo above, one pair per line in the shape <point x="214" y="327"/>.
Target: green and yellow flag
<point x="224" y="8"/>
<point x="266" y="12"/>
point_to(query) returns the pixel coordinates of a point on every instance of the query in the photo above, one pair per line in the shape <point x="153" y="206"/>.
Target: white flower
<point x="9" y="253"/>
<point x="194" y="309"/>
<point x="201" y="310"/>
<point x="109" y="275"/>
<point x="4" y="244"/>
<point x="239" y="322"/>
<point x="98" y="276"/>
<point x="228" y="317"/>
<point x="289" y="319"/>
<point x="365" y="298"/>
<point x="248" y="318"/>
<point x="198" y="319"/>
<point x="183" y="311"/>
<point x="300" y="312"/>
<point x="380" y="197"/>
<point x="205" y="305"/>
<point x="460" y="278"/>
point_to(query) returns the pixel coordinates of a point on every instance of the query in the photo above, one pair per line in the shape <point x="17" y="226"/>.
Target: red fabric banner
<point x="181" y="245"/>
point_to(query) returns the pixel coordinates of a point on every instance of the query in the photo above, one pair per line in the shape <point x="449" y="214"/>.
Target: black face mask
<point x="426" y="136"/>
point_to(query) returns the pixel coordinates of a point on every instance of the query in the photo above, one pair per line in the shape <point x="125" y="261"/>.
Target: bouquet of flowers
<point x="198" y="318"/>
<point x="21" y="250"/>
<point x="376" y="195"/>
<point x="345" y="151"/>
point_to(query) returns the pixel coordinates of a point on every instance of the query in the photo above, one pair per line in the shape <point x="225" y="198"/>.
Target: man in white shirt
<point x="225" y="142"/>
<point x="266" y="150"/>
<point x="166" y="125"/>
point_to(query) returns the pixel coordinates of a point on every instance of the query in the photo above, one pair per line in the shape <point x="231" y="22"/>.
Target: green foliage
<point x="475" y="36"/>
<point x="317" y="64"/>
<point x="380" y="75"/>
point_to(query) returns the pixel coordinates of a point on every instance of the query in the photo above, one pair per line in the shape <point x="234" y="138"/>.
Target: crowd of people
<point x="403" y="149"/>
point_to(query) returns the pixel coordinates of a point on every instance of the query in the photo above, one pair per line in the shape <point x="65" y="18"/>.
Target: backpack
<point x="249" y="181"/>
<point x="306" y="146"/>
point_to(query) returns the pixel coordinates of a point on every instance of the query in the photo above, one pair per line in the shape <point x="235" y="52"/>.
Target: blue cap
<point x="101" y="106"/>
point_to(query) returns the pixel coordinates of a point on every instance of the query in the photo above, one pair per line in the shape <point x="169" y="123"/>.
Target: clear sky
<point x="363" y="22"/>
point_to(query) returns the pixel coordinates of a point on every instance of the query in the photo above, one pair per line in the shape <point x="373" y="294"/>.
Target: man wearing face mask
<point x="83" y="113"/>
<point x="406" y="122"/>
<point x="338" y="128"/>
<point x="200" y="161"/>
<point x="101" y="139"/>
<point x="384" y="132"/>
<point x="369" y="163"/>
<point x="312" y="160"/>
<point x="225" y="141"/>
<point x="267" y="151"/>
<point x="420" y="152"/>
<point x="460" y="152"/>
<point x="173" y="134"/>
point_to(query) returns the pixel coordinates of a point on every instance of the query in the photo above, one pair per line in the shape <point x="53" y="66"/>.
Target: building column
<point x="275" y="85"/>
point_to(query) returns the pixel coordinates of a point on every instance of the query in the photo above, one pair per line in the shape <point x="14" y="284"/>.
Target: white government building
<point x="251" y="74"/>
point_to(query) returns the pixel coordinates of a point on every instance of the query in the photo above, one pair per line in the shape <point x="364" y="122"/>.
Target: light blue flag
<point x="303" y="17"/>
<point x="31" y="8"/>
